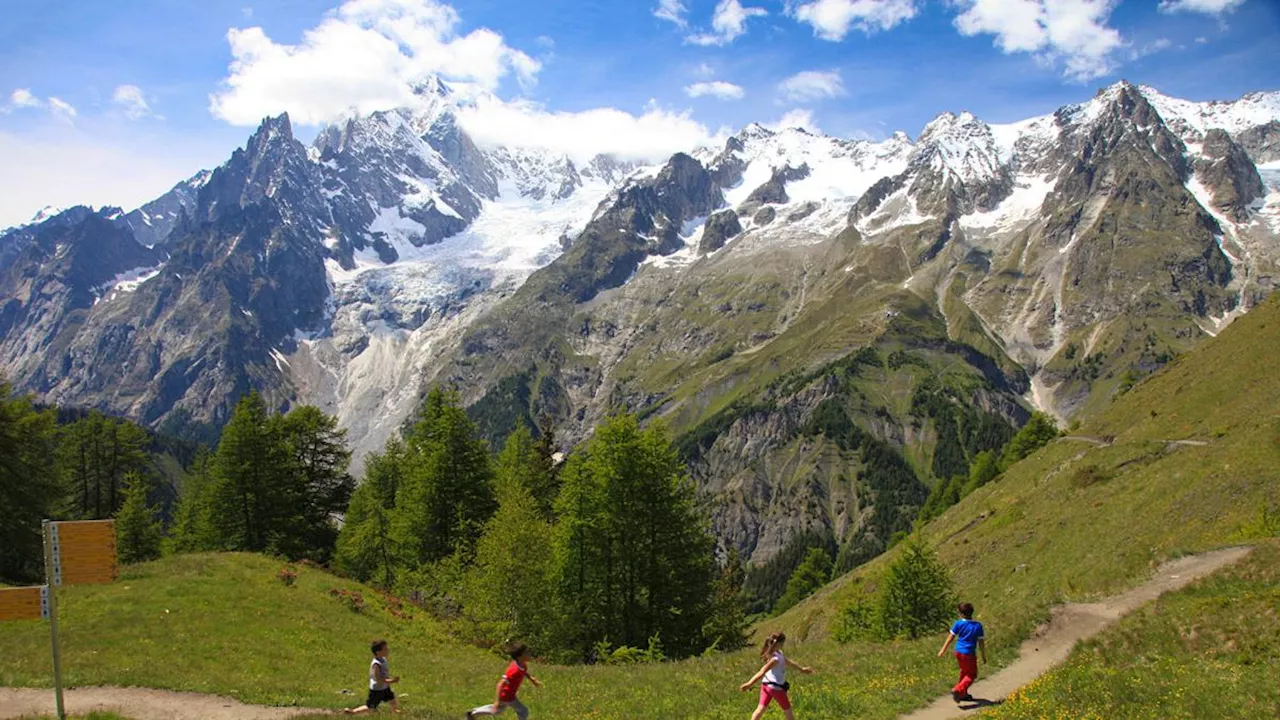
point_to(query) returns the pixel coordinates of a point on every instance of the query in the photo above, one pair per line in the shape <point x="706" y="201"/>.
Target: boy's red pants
<point x="968" y="672"/>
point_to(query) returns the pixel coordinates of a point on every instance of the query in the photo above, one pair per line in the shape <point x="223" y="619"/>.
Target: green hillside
<point x="1210" y="650"/>
<point x="1184" y="462"/>
<point x="1086" y="516"/>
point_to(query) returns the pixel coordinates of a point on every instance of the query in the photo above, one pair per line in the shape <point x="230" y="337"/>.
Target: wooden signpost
<point x="75" y="553"/>
<point x="24" y="603"/>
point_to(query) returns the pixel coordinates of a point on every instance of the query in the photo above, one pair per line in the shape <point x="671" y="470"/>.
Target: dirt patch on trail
<point x="140" y="704"/>
<point x="1072" y="623"/>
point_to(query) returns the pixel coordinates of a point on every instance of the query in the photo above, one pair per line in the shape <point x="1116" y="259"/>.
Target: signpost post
<point x="52" y="580"/>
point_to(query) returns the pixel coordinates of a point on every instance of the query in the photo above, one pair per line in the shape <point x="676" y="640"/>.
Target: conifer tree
<point x="633" y="556"/>
<point x="138" y="531"/>
<point x="28" y="486"/>
<point x="813" y="572"/>
<point x="915" y="596"/>
<point x="190" y="531"/>
<point x="365" y="548"/>
<point x="249" y="494"/>
<point x="726" y="628"/>
<point x="447" y="495"/>
<point x="508" y="587"/>
<point x="318" y="478"/>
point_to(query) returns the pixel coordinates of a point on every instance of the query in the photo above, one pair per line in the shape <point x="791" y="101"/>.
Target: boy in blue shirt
<point x="968" y="636"/>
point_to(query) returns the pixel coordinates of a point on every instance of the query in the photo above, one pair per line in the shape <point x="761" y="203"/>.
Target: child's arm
<point x="756" y="678"/>
<point x="533" y="680"/>
<point x="950" y="636"/>
<point x="802" y="668"/>
<point x="982" y="645"/>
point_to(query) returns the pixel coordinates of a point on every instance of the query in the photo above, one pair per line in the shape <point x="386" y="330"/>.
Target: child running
<point x="774" y="675"/>
<point x="968" y="635"/>
<point x="380" y="681"/>
<point x="509" y="685"/>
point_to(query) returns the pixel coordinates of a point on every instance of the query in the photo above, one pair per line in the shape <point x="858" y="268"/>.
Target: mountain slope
<point x="923" y="294"/>
<point x="1185" y="461"/>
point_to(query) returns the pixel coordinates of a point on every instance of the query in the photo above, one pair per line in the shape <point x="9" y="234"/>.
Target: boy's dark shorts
<point x="377" y="697"/>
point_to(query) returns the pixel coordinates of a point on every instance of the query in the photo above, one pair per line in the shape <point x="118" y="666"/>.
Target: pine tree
<point x="1037" y="433"/>
<point x="726" y="628"/>
<point x="447" y="496"/>
<point x="250" y="499"/>
<point x="915" y="597"/>
<point x="138" y="531"/>
<point x="633" y="556"/>
<point x="531" y="463"/>
<point x="318" y="480"/>
<point x="365" y="548"/>
<point x="28" y="486"/>
<point x="190" y="531"/>
<point x="812" y="574"/>
<point x="95" y="455"/>
<point x="578" y="567"/>
<point x="509" y="585"/>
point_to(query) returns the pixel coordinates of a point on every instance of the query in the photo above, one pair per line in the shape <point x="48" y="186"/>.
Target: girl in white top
<point x="774" y="676"/>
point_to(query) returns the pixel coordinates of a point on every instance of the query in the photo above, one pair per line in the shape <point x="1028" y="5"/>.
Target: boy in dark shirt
<point x="968" y="636"/>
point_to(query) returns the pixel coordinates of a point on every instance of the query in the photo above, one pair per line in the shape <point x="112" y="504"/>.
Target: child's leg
<point x="790" y="715"/>
<point x="968" y="673"/>
<point x="764" y="703"/>
<point x="488" y="709"/>
<point x="759" y="713"/>
<point x="395" y="705"/>
<point x="522" y="712"/>
<point x="358" y="711"/>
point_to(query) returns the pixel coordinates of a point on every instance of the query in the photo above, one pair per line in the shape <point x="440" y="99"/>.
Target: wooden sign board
<point x="84" y="552"/>
<point x="24" y="603"/>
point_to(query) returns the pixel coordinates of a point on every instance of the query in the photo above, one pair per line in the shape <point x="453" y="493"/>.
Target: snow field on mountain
<point x="1022" y="206"/>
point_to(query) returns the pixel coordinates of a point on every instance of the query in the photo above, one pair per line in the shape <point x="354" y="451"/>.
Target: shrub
<point x="859" y="620"/>
<point x="1090" y="475"/>
<point x="287" y="575"/>
<point x="353" y="601"/>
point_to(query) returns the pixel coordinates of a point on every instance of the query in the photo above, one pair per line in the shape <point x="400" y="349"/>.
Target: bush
<point x="1090" y="475"/>
<point x="859" y="620"/>
<point x="916" y="596"/>
<point x="353" y="601"/>
<point x="288" y="576"/>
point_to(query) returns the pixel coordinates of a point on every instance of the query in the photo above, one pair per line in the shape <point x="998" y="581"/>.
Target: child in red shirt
<point x="509" y="685"/>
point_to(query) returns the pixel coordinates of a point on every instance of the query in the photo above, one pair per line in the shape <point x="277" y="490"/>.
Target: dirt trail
<point x="1073" y="623"/>
<point x="139" y="704"/>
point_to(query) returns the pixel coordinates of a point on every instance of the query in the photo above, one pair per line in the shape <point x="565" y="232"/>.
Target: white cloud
<point x="22" y="98"/>
<point x="704" y="71"/>
<point x="727" y="24"/>
<point x="1202" y="40"/>
<point x="715" y="88"/>
<point x="832" y="19"/>
<point x="1071" y="32"/>
<point x="795" y="118"/>
<point x="130" y="99"/>
<point x="1151" y="48"/>
<point x="1208" y="7"/>
<point x="812" y="85"/>
<point x="61" y="108"/>
<point x="652" y="136"/>
<point x="672" y="11"/>
<point x="366" y="56"/>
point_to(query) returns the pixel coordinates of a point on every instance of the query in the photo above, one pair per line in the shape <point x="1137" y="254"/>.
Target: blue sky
<point x="114" y="102"/>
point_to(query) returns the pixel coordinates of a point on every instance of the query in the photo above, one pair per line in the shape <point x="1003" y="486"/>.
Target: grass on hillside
<point x="225" y="624"/>
<point x="1210" y="650"/>
<point x="1093" y="516"/>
